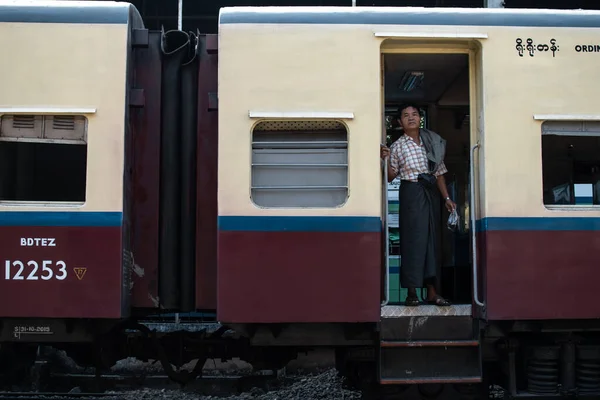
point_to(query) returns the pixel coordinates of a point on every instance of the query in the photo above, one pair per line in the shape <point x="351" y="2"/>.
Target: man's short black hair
<point x="407" y="105"/>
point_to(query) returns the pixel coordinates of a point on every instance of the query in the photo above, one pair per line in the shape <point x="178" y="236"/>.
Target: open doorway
<point x="439" y="85"/>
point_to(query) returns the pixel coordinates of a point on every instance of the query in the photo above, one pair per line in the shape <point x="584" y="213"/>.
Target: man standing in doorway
<point x="418" y="157"/>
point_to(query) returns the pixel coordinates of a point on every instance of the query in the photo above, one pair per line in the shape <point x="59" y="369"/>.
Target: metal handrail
<point x="473" y="230"/>
<point x="387" y="233"/>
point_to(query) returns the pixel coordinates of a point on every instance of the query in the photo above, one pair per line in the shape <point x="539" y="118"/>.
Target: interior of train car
<point x="571" y="168"/>
<point x="439" y="84"/>
<point x="37" y="152"/>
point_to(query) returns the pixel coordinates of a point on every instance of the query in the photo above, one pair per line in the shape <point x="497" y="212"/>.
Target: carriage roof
<point x="68" y="12"/>
<point x="411" y="16"/>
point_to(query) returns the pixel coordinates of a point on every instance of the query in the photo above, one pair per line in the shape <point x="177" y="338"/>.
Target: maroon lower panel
<point x="299" y="277"/>
<point x="542" y="274"/>
<point x="89" y="260"/>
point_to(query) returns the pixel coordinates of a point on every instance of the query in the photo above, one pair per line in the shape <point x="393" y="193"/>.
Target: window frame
<point x="585" y="129"/>
<point x="344" y="145"/>
<point x="44" y="131"/>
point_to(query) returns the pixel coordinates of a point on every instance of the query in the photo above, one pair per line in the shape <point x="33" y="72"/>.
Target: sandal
<point x="412" y="301"/>
<point x="439" y="301"/>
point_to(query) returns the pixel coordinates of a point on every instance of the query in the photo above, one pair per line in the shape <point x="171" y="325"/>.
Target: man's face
<point x="410" y="118"/>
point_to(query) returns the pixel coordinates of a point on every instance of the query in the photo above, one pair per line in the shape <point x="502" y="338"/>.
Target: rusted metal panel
<point x="146" y="127"/>
<point x="206" y="215"/>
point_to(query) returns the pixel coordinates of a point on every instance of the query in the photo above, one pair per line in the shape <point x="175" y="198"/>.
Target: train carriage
<point x="511" y="93"/>
<point x="64" y="138"/>
<point x="172" y="186"/>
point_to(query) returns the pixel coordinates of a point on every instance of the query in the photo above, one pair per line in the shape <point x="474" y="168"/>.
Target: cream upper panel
<point x="73" y="66"/>
<point x="299" y="69"/>
<point x="304" y="68"/>
<point x="309" y="68"/>
<point x="515" y="89"/>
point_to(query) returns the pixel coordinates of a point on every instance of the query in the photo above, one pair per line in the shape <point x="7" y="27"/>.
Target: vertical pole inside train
<point x="180" y="15"/>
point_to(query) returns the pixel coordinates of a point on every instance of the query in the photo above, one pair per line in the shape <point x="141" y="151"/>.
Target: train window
<point x="299" y="164"/>
<point x="571" y="163"/>
<point x="43" y="158"/>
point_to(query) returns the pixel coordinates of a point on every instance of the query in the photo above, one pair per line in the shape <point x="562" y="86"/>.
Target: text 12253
<point x="16" y="270"/>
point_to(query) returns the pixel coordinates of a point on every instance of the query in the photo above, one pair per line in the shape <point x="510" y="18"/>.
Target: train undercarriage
<point x="515" y="358"/>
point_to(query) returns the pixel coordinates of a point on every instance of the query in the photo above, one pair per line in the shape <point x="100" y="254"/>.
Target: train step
<point x="428" y="345"/>
<point x="429" y="361"/>
<point x="427" y="323"/>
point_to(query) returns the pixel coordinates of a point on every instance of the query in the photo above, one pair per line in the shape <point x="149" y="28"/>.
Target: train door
<point x="441" y="79"/>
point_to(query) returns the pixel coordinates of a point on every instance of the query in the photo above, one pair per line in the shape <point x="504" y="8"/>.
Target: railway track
<point x="57" y="396"/>
<point x="58" y="386"/>
<point x="207" y="384"/>
<point x="259" y="387"/>
<point x="123" y="386"/>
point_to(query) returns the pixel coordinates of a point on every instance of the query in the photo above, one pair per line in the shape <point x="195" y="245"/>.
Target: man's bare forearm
<point x="441" y="184"/>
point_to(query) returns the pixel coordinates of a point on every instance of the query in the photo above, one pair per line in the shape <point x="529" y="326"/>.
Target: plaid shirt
<point x="408" y="159"/>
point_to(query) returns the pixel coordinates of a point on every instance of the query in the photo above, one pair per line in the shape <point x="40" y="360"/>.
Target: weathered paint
<point x="146" y="127"/>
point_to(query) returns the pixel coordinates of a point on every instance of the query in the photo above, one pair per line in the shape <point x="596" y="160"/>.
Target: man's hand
<point x="450" y="205"/>
<point x="384" y="152"/>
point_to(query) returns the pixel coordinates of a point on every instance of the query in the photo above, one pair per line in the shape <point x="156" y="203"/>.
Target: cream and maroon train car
<point x="302" y="212"/>
<point x="64" y="181"/>
<point x="299" y="184"/>
<point x="286" y="235"/>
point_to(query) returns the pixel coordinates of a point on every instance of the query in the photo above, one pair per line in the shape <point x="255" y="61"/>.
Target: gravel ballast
<point x="319" y="386"/>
